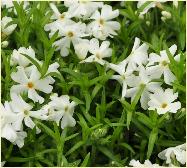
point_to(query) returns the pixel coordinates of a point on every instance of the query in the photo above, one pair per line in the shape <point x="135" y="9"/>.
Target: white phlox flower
<point x="7" y="30"/>
<point x="159" y="64"/>
<point x="21" y="135"/>
<point x="61" y="20"/>
<point x="138" y="55"/>
<point x="102" y="26"/>
<point x="9" y="4"/>
<point x="70" y="33"/>
<point x="178" y="153"/>
<point x="98" y="52"/>
<point x="149" y="6"/>
<point x="25" y="113"/>
<point x="8" y="129"/>
<point x="143" y="79"/>
<point x="81" y="8"/>
<point x="163" y="101"/>
<point x="147" y="163"/>
<point x="3" y="163"/>
<point x="30" y="83"/>
<point x="52" y="68"/>
<point x="123" y="76"/>
<point x="18" y="59"/>
<point x="61" y="108"/>
<point x="7" y="118"/>
<point x="82" y="48"/>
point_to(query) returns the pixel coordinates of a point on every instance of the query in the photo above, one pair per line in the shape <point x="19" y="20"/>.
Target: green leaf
<point x="152" y="139"/>
<point x="75" y="147"/>
<point x="71" y="136"/>
<point x="33" y="61"/>
<point x="76" y="100"/>
<point x="85" y="161"/>
<point x="137" y="97"/>
<point x="127" y="146"/>
<point x="46" y="129"/>
<point x="110" y="155"/>
<point x="95" y="90"/>
<point x="144" y="119"/>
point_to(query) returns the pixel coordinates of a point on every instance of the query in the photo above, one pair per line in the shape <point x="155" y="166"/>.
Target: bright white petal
<point x="32" y="94"/>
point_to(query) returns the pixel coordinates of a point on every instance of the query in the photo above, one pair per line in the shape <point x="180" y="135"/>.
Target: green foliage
<point x="110" y="131"/>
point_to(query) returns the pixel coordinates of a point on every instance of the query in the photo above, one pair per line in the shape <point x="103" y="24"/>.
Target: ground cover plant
<point x="93" y="83"/>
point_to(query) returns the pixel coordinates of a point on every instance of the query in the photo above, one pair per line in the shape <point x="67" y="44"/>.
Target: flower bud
<point x="175" y="3"/>
<point x="163" y="19"/>
<point x="148" y="23"/>
<point x="166" y="14"/>
<point x="141" y="16"/>
<point x="98" y="133"/>
<point x="4" y="44"/>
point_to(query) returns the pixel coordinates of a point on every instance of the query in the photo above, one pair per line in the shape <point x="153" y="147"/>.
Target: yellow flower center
<point x="123" y="76"/>
<point x="164" y="105"/>
<point x="62" y="16"/>
<point x="98" y="56"/>
<point x="26" y="112"/>
<point x="30" y="85"/>
<point x="66" y="108"/>
<point x="164" y="63"/>
<point x="70" y="34"/>
<point x="101" y="21"/>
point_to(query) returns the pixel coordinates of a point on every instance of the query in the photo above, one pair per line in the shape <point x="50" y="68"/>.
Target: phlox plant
<point x="93" y="84"/>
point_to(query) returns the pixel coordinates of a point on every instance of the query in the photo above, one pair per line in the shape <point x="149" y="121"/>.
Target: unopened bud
<point x="4" y="44"/>
<point x="175" y="3"/>
<point x="98" y="133"/>
<point x="166" y="14"/>
<point x="163" y="19"/>
<point x="148" y="23"/>
<point x="141" y="16"/>
<point x="122" y="3"/>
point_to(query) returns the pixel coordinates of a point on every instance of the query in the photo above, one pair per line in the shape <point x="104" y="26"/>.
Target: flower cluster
<point x="28" y="80"/>
<point x="86" y="29"/>
<point x="100" y="25"/>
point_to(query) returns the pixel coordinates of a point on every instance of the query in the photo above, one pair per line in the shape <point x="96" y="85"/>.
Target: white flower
<point x="61" y="108"/>
<point x="81" y="9"/>
<point x="138" y="55"/>
<point x="102" y="26"/>
<point x="70" y="33"/>
<point x="143" y="79"/>
<point x="123" y="76"/>
<point x="7" y="118"/>
<point x="162" y="65"/>
<point x="21" y="135"/>
<point x="98" y="52"/>
<point x="147" y="163"/>
<point x="18" y="58"/>
<point x="61" y="20"/>
<point x="82" y="48"/>
<point x="24" y="112"/>
<point x="175" y="3"/>
<point x="9" y="4"/>
<point x="8" y="129"/>
<point x="6" y="31"/>
<point x="31" y="83"/>
<point x="149" y="6"/>
<point x="163" y="101"/>
<point x="178" y="152"/>
<point x="3" y="163"/>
